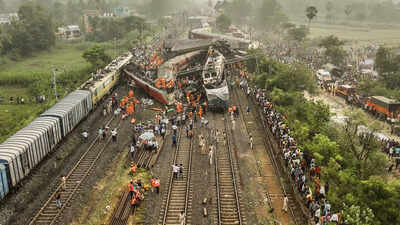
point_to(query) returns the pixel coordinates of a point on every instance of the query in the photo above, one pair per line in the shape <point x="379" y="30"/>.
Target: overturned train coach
<point x="20" y="153"/>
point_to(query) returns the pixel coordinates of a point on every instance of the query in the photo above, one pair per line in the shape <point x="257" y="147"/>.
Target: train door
<point x="15" y="165"/>
<point x="6" y="160"/>
<point x="4" y="180"/>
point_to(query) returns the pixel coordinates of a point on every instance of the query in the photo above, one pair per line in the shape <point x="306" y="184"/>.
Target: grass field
<point x="63" y="55"/>
<point x="358" y="34"/>
<point x="13" y="116"/>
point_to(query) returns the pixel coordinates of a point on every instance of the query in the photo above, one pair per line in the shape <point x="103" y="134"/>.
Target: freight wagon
<point x="383" y="106"/>
<point x="20" y="153"/>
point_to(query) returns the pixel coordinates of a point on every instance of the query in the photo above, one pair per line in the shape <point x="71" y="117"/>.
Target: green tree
<point x="295" y="77"/>
<point x="356" y="215"/>
<point x="298" y="33"/>
<point x="331" y="41"/>
<point x="388" y="65"/>
<point x="96" y="56"/>
<point x="223" y="22"/>
<point x="336" y="55"/>
<point x="311" y="13"/>
<point x="38" y="23"/>
<point x="382" y="197"/>
<point x="385" y="61"/>
<point x="333" y="50"/>
<point x="322" y="148"/>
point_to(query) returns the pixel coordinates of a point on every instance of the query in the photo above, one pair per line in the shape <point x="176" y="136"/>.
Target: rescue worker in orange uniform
<point x="133" y="203"/>
<point x="130" y="93"/>
<point x="131" y="189"/>
<point x="155" y="183"/>
<point x="133" y="168"/>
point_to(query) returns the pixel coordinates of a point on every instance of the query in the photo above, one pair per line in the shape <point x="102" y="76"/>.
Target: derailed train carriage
<point x="20" y="153"/>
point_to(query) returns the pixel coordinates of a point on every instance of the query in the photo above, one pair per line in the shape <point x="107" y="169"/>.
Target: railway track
<point x="49" y="213"/>
<point x="179" y="197"/>
<point x="256" y="127"/>
<point x="120" y="216"/>
<point x="229" y="209"/>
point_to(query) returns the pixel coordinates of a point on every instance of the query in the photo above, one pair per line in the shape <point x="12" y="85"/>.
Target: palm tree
<point x="311" y="12"/>
<point x="348" y="10"/>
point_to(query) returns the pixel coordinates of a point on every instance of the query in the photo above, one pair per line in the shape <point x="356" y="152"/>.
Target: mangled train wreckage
<point x="186" y="69"/>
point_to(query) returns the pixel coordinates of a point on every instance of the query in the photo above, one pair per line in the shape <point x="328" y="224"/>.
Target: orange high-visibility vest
<point x="230" y="109"/>
<point x="133" y="201"/>
<point x="133" y="169"/>
<point x="155" y="183"/>
<point x="234" y="108"/>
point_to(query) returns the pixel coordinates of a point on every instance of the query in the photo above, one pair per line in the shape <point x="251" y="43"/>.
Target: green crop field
<point x="64" y="55"/>
<point x="361" y="34"/>
<point x="15" y="116"/>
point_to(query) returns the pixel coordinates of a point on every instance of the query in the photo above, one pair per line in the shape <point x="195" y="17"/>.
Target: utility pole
<point x="115" y="47"/>
<point x="55" y="83"/>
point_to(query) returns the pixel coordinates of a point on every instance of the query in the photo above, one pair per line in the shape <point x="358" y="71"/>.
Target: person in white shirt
<point x="317" y="215"/>
<point x="132" y="150"/>
<point x="85" y="135"/>
<point x="114" y="135"/>
<point x="175" y="169"/>
<point x="210" y="154"/>
<point x="174" y="128"/>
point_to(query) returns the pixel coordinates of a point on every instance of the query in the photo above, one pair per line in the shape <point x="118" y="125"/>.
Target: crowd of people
<point x="23" y="100"/>
<point x="303" y="169"/>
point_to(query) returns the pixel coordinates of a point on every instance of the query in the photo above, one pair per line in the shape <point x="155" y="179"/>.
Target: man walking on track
<point x="114" y="135"/>
<point x="285" y="203"/>
<point x="58" y="200"/>
<point x="64" y="182"/>
<point x="132" y="151"/>
<point x="131" y="189"/>
<point x="175" y="169"/>
<point x="174" y="140"/>
<point x="210" y="154"/>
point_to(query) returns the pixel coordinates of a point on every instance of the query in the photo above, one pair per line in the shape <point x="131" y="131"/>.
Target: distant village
<point x="74" y="31"/>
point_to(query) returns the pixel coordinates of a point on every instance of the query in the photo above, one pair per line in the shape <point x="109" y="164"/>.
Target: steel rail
<point x="171" y="179"/>
<point x="53" y="217"/>
<point x="228" y="148"/>
<point x="269" y="152"/>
